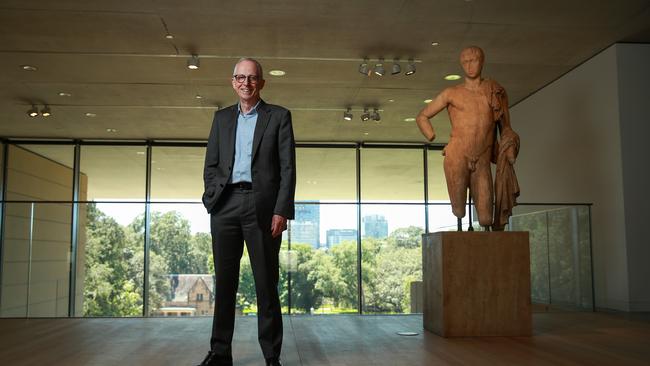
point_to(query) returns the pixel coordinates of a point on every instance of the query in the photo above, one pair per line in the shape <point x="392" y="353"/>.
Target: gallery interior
<point x="105" y="251"/>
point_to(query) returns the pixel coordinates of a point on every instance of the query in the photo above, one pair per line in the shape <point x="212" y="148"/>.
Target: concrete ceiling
<point x="114" y="60"/>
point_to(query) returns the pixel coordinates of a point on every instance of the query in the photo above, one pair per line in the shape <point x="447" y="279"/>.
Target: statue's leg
<point x="457" y="177"/>
<point x="482" y="191"/>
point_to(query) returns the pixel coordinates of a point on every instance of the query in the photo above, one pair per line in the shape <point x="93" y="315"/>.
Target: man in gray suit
<point x="250" y="182"/>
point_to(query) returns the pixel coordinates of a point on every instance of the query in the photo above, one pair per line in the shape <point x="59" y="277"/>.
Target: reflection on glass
<point x="326" y="174"/>
<point x="35" y="278"/>
<point x="113" y="172"/>
<point x="39" y="173"/>
<point x="391" y="264"/>
<point x="112" y="242"/>
<point x="560" y="253"/>
<point x="177" y="173"/>
<point x="536" y="223"/>
<point x="392" y="175"/>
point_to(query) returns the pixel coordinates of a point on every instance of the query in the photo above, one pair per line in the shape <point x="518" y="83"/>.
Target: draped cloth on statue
<point x="506" y="149"/>
<point x="506" y="185"/>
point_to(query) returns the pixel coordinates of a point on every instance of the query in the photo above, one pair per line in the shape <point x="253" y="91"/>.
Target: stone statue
<point x="478" y="110"/>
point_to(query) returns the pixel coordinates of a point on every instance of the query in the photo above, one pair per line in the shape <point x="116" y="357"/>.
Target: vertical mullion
<point x="359" y="251"/>
<point x="425" y="157"/>
<point x="3" y="209"/>
<point x="591" y="263"/>
<point x="147" y="233"/>
<point x="74" y="228"/>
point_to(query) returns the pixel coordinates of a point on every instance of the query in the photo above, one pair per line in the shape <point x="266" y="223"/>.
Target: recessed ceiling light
<point x="391" y="100"/>
<point x="277" y="73"/>
<point x="198" y="96"/>
<point x="435" y="44"/>
<point x="366" y="133"/>
<point x="89" y="114"/>
<point x="28" y="67"/>
<point x="64" y="94"/>
<point x="169" y="36"/>
<point x="410" y="119"/>
<point x="140" y="152"/>
<point x="428" y="101"/>
<point x="452" y="77"/>
<point x="112" y="130"/>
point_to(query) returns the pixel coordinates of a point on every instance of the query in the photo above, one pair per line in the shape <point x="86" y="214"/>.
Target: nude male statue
<point x="476" y="108"/>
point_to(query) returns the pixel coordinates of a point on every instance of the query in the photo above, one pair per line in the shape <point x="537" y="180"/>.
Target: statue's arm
<point x="506" y="129"/>
<point x="505" y="119"/>
<point x="434" y="107"/>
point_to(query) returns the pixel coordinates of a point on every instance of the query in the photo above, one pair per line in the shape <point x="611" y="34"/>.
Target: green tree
<point x="201" y="244"/>
<point x="246" y="295"/>
<point x="327" y="278"/>
<point x="305" y="295"/>
<point x="406" y="237"/>
<point x="172" y="239"/>
<point x="110" y="287"/>
<point x="344" y="258"/>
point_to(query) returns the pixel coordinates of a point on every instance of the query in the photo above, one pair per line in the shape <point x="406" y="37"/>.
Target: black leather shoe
<point x="212" y="359"/>
<point x="273" y="362"/>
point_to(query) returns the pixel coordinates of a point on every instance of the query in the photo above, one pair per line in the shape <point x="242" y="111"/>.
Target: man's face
<point x="249" y="89"/>
<point x="472" y="63"/>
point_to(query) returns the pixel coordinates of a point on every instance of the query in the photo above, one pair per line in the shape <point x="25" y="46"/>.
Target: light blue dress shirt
<point x="241" y="171"/>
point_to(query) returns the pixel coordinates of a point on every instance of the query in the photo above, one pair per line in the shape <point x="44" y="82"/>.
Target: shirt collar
<point x="252" y="111"/>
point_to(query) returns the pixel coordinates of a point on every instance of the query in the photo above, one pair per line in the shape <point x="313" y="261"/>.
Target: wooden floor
<point x="559" y="339"/>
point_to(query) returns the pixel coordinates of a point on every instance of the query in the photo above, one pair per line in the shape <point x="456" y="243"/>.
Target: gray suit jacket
<point x="273" y="166"/>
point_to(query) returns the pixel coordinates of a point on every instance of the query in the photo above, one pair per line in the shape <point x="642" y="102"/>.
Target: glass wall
<point x="560" y="246"/>
<point x="37" y="231"/>
<point x="354" y="245"/>
<point x="181" y="272"/>
<point x="321" y="258"/>
<point x="392" y="224"/>
<point x="177" y="173"/>
<point x="110" y="231"/>
<point x="112" y="242"/>
<point x="391" y="256"/>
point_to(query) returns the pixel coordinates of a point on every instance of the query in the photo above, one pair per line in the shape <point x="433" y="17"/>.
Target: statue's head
<point x="471" y="59"/>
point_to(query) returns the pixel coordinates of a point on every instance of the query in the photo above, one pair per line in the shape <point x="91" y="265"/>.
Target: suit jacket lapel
<point x="229" y="141"/>
<point x="263" y="116"/>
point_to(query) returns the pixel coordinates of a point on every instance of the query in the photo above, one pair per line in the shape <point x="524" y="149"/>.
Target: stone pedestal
<point x="477" y="283"/>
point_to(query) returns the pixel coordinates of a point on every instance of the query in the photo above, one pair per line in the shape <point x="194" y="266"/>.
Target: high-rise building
<point x="305" y="229"/>
<point x="337" y="236"/>
<point x="374" y="226"/>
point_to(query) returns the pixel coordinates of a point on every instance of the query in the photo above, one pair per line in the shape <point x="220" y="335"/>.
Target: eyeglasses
<point x="253" y="79"/>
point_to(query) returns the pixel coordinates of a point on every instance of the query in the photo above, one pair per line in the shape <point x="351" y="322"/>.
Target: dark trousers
<point x="233" y="222"/>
